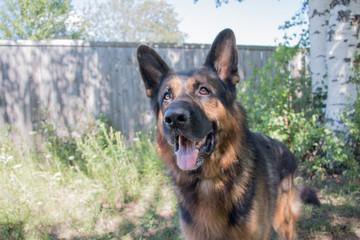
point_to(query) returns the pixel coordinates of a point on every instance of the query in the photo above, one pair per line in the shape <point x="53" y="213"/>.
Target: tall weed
<point x="71" y="185"/>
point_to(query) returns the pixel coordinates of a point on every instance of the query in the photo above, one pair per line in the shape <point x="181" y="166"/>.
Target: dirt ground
<point x="339" y="214"/>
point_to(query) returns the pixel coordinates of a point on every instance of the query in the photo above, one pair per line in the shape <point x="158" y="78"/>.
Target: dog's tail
<point x="308" y="195"/>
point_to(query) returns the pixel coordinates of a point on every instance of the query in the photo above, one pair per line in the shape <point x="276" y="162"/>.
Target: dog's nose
<point x="175" y="118"/>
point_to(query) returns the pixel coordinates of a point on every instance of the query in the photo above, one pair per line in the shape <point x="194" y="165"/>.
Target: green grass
<point x="95" y="186"/>
<point x="339" y="215"/>
<point x="87" y="187"/>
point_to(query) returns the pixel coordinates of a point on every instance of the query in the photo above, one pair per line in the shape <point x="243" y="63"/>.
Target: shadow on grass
<point x="12" y="231"/>
<point x="151" y="226"/>
<point x="330" y="222"/>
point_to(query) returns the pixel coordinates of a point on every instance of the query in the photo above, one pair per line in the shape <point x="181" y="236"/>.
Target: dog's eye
<point x="204" y="91"/>
<point x="167" y="96"/>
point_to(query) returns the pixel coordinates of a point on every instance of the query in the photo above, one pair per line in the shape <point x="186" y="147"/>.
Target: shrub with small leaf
<point x="285" y="109"/>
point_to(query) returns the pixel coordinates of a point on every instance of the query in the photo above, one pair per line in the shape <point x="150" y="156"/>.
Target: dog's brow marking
<point x="190" y="83"/>
<point x="174" y="83"/>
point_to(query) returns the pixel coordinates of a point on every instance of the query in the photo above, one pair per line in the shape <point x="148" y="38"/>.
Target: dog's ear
<point x="152" y="68"/>
<point x="223" y="57"/>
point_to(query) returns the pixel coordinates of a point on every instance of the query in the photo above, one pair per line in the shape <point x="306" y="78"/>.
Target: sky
<point x="254" y="22"/>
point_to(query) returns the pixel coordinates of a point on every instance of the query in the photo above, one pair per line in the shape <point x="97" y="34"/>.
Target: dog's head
<point x="193" y="107"/>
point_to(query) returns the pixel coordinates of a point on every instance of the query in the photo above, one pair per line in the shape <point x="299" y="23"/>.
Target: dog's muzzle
<point x="192" y="134"/>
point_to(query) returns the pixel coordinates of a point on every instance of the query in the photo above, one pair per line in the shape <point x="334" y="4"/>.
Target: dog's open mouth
<point x="191" y="154"/>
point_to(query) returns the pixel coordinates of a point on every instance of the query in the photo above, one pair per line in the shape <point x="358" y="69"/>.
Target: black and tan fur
<point x="230" y="183"/>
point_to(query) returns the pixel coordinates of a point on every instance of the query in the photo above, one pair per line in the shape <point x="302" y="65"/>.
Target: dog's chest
<point x="210" y="206"/>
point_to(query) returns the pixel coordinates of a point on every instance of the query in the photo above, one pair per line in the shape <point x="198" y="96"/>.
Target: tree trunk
<point x="341" y="46"/>
<point x="342" y="40"/>
<point x="319" y="21"/>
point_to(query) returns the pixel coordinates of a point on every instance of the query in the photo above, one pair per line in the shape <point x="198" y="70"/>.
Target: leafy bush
<point x="281" y="106"/>
<point x="285" y="109"/>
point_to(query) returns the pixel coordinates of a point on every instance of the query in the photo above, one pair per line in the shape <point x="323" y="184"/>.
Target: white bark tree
<point x="319" y="16"/>
<point x="334" y="38"/>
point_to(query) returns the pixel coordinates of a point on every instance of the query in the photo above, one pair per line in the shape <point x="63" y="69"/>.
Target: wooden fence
<point x="68" y="82"/>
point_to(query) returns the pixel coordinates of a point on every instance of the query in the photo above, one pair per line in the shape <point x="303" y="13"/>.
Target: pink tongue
<point x="187" y="154"/>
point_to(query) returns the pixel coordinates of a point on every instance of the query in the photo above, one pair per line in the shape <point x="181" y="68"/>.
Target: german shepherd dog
<point x="230" y="183"/>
